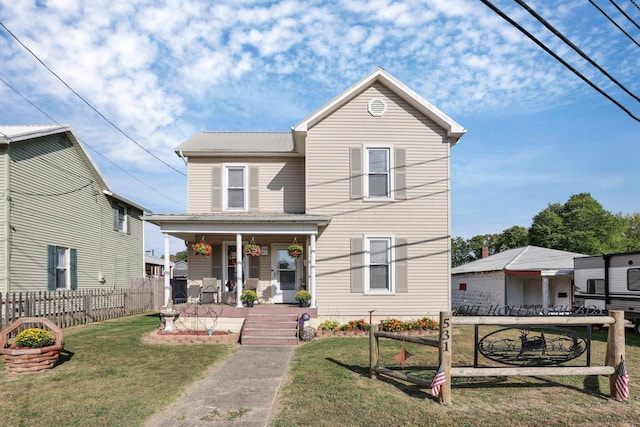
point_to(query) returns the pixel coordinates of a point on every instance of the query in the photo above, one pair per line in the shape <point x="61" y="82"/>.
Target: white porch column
<point x="167" y="267"/>
<point x="312" y="261"/>
<point x="239" y="253"/>
<point x="545" y="294"/>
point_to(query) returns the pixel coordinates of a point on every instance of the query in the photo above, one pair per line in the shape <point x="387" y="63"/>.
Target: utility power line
<point x="614" y="22"/>
<point x="625" y="14"/>
<point x="557" y="58"/>
<point x="575" y="48"/>
<point x="88" y="146"/>
<point x="87" y="102"/>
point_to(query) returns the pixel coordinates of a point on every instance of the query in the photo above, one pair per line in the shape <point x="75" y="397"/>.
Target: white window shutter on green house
<point x="355" y="177"/>
<point x="216" y="189"/>
<point x="402" y="265"/>
<point x="357" y="264"/>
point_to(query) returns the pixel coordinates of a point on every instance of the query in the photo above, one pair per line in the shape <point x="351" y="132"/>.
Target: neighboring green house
<point x="61" y="227"/>
<point x="362" y="184"/>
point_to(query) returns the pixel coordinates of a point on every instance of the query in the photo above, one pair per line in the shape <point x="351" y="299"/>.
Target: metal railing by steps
<point x="270" y="329"/>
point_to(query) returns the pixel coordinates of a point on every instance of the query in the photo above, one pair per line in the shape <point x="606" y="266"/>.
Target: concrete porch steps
<point x="270" y="329"/>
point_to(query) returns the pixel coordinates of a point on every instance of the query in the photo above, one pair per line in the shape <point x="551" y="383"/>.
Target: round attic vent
<point x="377" y="107"/>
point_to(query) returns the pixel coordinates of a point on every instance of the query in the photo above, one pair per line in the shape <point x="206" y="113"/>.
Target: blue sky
<point x="166" y="70"/>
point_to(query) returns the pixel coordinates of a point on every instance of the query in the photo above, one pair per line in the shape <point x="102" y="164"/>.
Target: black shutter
<point x="73" y="263"/>
<point x="254" y="267"/>
<point x="51" y="268"/>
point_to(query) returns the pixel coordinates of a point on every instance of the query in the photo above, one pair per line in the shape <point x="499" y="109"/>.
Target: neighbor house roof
<point x="13" y="134"/>
<point x="528" y="258"/>
<point x="454" y="130"/>
<point x="237" y="142"/>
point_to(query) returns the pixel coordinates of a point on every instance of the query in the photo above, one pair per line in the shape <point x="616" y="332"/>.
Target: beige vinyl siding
<point x="423" y="218"/>
<point x="281" y="183"/>
<point x="56" y="201"/>
<point x="4" y="217"/>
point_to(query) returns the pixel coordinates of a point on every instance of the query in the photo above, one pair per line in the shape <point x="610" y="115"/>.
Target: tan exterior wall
<point x="423" y="218"/>
<point x="56" y="201"/>
<point x="281" y="183"/>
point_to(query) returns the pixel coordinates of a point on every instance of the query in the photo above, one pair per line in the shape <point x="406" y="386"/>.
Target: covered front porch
<point x="227" y="269"/>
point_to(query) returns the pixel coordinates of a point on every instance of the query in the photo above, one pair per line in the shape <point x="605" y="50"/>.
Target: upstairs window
<point x="121" y="218"/>
<point x="378" y="173"/>
<point x="235" y="187"/>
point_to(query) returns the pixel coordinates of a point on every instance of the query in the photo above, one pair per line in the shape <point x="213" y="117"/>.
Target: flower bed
<point x="20" y="359"/>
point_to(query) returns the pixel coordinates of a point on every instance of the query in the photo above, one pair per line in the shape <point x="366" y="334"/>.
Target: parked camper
<point x="610" y="282"/>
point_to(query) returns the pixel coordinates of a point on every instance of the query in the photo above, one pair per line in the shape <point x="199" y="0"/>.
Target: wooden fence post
<point x="615" y="348"/>
<point x="445" y="355"/>
<point x="373" y="350"/>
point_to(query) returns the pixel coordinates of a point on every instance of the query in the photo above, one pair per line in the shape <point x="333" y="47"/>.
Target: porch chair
<point x="210" y="293"/>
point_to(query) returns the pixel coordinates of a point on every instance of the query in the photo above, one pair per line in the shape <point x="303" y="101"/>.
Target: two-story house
<point x="61" y="226"/>
<point x="362" y="184"/>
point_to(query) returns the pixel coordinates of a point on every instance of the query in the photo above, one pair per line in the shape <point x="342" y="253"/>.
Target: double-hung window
<point x="379" y="265"/>
<point x="121" y="218"/>
<point x="378" y="173"/>
<point x="235" y="184"/>
<point x="62" y="268"/>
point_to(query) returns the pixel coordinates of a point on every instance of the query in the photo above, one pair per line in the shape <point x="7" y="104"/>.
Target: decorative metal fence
<point x="70" y="308"/>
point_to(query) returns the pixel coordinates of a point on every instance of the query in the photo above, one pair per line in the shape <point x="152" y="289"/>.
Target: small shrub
<point x="302" y="296"/>
<point x="34" y="338"/>
<point x="248" y="296"/>
<point x="329" y="325"/>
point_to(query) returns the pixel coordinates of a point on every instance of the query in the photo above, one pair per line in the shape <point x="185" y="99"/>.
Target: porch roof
<point x="187" y="226"/>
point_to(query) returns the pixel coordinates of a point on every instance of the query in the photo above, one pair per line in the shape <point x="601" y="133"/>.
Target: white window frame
<point x="66" y="268"/>
<point x="367" y="264"/>
<point x="122" y="221"/>
<point x="225" y="186"/>
<point x="390" y="180"/>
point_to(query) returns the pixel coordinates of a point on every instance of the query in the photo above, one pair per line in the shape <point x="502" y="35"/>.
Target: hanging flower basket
<point x="201" y="249"/>
<point x="252" y="250"/>
<point x="295" y="250"/>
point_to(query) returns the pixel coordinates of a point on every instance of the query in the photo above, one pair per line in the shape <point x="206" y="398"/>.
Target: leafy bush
<point x="392" y="325"/>
<point x="302" y="296"/>
<point x="329" y="325"/>
<point x="34" y="338"/>
<point x="248" y="296"/>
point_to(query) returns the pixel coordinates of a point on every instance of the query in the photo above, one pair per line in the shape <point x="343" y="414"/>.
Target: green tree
<point x="631" y="233"/>
<point x="481" y="240"/>
<point x="580" y="225"/>
<point x="511" y="238"/>
<point x="460" y="252"/>
<point x="180" y="256"/>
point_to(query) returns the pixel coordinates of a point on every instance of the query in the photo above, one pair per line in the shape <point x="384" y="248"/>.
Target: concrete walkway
<point x="240" y="392"/>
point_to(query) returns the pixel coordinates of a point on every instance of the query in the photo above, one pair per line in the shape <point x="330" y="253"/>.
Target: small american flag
<point x="439" y="379"/>
<point x="622" y="382"/>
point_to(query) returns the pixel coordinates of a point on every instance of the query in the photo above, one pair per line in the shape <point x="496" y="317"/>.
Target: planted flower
<point x="34" y="338"/>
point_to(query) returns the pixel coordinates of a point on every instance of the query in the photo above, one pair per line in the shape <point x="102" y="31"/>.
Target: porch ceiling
<point x="187" y="226"/>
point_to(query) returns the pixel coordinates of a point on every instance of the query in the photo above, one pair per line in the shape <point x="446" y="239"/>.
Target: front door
<point x="286" y="275"/>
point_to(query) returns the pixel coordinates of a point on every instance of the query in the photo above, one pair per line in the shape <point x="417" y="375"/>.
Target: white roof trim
<point x="454" y="130"/>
